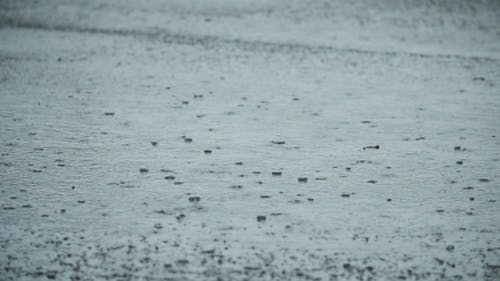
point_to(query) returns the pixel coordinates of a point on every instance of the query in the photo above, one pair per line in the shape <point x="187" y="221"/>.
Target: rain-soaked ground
<point x="251" y="140"/>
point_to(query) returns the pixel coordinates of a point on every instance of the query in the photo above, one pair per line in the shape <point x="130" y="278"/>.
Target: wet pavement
<point x="225" y="140"/>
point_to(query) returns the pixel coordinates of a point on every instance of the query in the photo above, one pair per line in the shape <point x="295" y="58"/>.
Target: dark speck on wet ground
<point x="261" y="218"/>
<point x="194" y="199"/>
<point x="371" y="147"/>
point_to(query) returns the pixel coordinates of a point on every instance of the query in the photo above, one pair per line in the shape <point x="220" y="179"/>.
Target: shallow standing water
<point x="232" y="141"/>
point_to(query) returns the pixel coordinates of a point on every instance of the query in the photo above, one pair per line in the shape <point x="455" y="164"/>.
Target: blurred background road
<point x="249" y="140"/>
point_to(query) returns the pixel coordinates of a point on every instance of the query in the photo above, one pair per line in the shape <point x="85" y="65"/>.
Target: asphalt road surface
<point x="249" y="140"/>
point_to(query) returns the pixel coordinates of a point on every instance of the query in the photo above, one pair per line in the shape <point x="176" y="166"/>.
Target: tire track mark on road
<point x="213" y="41"/>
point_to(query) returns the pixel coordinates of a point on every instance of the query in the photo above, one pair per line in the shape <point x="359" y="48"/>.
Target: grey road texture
<point x="249" y="140"/>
